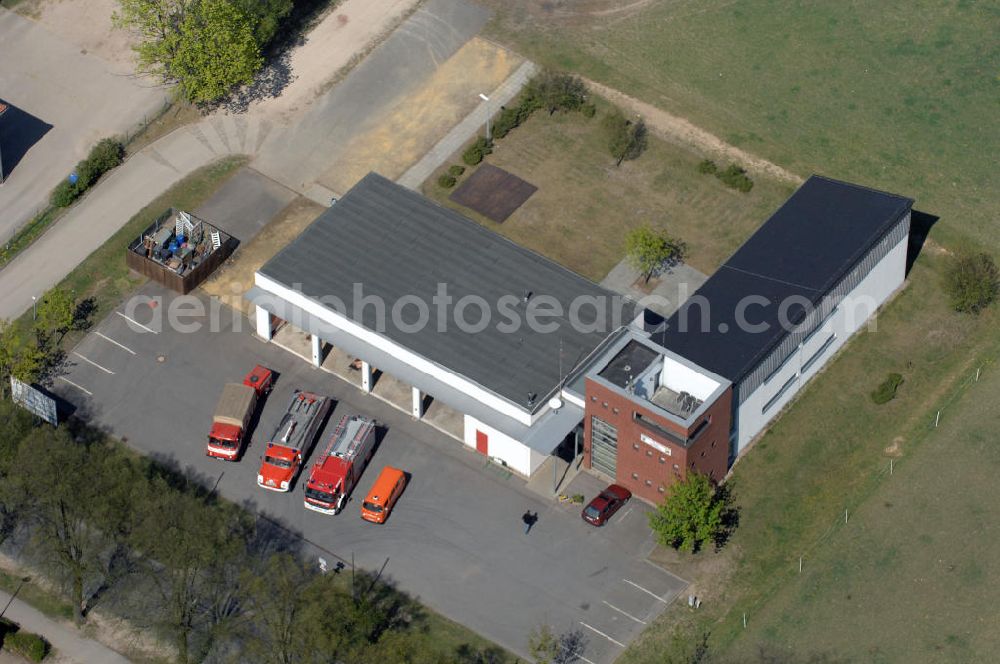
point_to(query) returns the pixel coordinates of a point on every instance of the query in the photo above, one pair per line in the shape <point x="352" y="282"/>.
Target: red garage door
<point x="482" y="443"/>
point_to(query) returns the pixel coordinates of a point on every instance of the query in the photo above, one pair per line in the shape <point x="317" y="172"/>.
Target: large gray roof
<point x="396" y="243"/>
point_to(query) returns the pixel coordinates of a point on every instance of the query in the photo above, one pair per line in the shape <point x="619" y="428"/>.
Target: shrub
<point x="578" y="498"/>
<point x="886" y="391"/>
<point x="972" y="282"/>
<point x="508" y="119"/>
<point x="475" y="152"/>
<point x="455" y="170"/>
<point x="446" y="181"/>
<point x="707" y="167"/>
<point x="588" y="110"/>
<point x="28" y="645"/>
<point x="64" y="194"/>
<point x="107" y="154"/>
<point x="736" y="177"/>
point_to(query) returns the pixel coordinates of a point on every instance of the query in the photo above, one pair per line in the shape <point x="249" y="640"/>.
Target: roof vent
<point x="532" y="397"/>
<point x="527" y="296"/>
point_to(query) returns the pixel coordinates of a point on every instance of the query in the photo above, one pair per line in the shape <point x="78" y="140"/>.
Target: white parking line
<point x="625" y="516"/>
<point x="110" y="340"/>
<point x="135" y="322"/>
<point x="627" y="615"/>
<point x="88" y="361"/>
<point x="580" y="657"/>
<point x="650" y="592"/>
<point x="597" y="631"/>
<point x="82" y="389"/>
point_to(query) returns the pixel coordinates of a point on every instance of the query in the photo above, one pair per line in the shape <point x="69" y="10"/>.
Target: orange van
<point x="383" y="496"/>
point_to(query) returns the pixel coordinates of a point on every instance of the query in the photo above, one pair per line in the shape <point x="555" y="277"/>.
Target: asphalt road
<point x="455" y="540"/>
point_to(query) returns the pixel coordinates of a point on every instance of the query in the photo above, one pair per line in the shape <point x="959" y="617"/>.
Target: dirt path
<point x="679" y="130"/>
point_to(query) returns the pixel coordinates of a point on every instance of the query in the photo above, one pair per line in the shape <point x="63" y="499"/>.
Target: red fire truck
<point x="285" y="454"/>
<point x="335" y="474"/>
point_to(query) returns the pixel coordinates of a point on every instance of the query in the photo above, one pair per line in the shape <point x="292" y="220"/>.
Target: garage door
<point x="604" y="446"/>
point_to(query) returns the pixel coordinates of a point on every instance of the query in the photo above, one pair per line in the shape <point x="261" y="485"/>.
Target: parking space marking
<point x="625" y="516"/>
<point x="89" y="361"/>
<point x="580" y="657"/>
<point x="597" y="631"/>
<point x="110" y="340"/>
<point x="650" y="592"/>
<point x="135" y="322"/>
<point x="627" y="615"/>
<point x="82" y="389"/>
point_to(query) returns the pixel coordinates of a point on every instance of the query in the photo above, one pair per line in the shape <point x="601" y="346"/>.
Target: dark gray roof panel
<point x="394" y="243"/>
<point x="804" y="250"/>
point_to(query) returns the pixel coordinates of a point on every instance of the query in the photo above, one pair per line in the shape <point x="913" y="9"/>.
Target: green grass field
<point x="585" y="204"/>
<point x="899" y="95"/>
<point x="895" y="95"/>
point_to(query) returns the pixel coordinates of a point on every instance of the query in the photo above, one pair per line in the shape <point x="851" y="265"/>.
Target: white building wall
<point x="851" y="314"/>
<point x="418" y="362"/>
<point x="518" y="456"/>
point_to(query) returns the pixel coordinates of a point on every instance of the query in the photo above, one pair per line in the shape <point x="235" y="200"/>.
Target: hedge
<point x="104" y="156"/>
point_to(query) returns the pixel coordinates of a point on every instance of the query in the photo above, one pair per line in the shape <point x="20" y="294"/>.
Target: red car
<point x="609" y="501"/>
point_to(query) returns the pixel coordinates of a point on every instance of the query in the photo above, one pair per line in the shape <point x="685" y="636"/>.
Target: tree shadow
<point x="19" y="132"/>
<point x="268" y="83"/>
<point x="920" y="228"/>
<point x="730" y="515"/>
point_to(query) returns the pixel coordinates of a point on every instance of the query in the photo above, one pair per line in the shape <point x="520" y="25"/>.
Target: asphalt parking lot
<point x="455" y="540"/>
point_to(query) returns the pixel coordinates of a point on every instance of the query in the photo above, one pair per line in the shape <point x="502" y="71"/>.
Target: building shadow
<point x="920" y="228"/>
<point x="19" y="131"/>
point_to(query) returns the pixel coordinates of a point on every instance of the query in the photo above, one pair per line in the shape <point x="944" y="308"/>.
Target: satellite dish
<point x="555" y="403"/>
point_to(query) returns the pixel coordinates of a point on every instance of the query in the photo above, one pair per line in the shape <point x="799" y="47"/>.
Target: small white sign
<point x="655" y="445"/>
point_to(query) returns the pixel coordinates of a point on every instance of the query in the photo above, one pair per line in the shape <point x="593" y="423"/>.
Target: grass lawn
<point x="900" y="95"/>
<point x="828" y="453"/>
<point x="585" y="204"/>
<point x="914" y="575"/>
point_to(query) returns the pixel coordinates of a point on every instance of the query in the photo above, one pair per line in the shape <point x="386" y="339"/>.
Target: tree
<point x="626" y="139"/>
<point x="56" y="313"/>
<point x="277" y="596"/>
<point x="555" y="91"/>
<point x="20" y="356"/>
<point x="183" y="541"/>
<point x="692" y="514"/>
<point x="64" y="492"/>
<point x="972" y="282"/>
<point x="543" y="645"/>
<point x="216" y="51"/>
<point x="648" y="249"/>
<point x="207" y="47"/>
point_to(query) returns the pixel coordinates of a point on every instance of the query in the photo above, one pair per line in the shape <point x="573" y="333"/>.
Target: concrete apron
<point x="384" y="386"/>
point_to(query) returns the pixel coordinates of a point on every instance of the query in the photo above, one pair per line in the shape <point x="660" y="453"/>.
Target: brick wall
<point x="642" y="465"/>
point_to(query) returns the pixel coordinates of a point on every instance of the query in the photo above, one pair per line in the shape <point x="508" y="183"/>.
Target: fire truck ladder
<point x="336" y="440"/>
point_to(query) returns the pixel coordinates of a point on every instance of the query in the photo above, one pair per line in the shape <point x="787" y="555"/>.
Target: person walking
<point x="529" y="520"/>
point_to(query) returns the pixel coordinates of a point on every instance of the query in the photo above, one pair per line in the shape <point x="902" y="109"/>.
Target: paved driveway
<point x="455" y="540"/>
<point x="65" y="102"/>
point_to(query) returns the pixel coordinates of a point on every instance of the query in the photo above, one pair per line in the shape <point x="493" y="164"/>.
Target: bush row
<point x="104" y="156"/>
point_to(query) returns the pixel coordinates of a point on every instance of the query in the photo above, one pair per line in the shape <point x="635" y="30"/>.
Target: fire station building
<point x="538" y="360"/>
